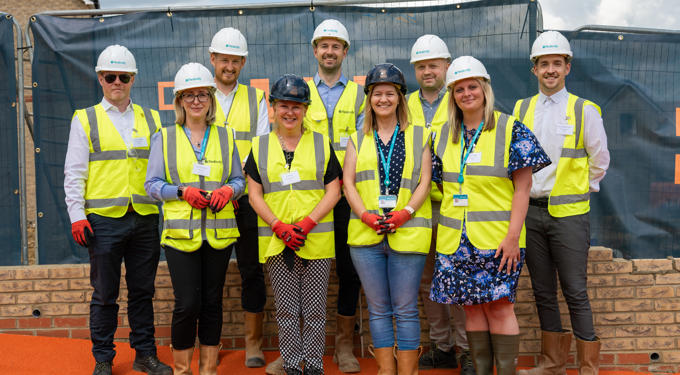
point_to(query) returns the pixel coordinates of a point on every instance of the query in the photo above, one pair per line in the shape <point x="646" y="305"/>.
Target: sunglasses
<point x="123" y="77"/>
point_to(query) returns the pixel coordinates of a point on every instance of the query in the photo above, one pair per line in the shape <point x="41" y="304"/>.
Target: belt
<point x="539" y="202"/>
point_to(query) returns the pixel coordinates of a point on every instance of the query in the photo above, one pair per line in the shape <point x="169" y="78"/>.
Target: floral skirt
<point x="471" y="277"/>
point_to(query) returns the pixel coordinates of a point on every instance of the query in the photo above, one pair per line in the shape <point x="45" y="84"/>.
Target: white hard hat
<point x="465" y="67"/>
<point x="229" y="41"/>
<point x="428" y="47"/>
<point x="193" y="75"/>
<point x="116" y="58"/>
<point x="550" y="43"/>
<point x="331" y="29"/>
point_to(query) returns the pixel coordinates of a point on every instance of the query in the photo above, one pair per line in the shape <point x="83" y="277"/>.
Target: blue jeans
<point x="390" y="280"/>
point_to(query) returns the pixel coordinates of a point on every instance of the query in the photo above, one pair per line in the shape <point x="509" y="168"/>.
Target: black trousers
<point x="253" y="292"/>
<point x="133" y="239"/>
<point x="558" y="247"/>
<point x="348" y="280"/>
<point x="197" y="281"/>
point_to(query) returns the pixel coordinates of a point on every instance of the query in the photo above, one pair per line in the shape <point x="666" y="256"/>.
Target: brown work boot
<point x="276" y="367"/>
<point x="207" y="364"/>
<point x="407" y="361"/>
<point x="505" y="352"/>
<point x="554" y="354"/>
<point x="588" y="353"/>
<point x="182" y="359"/>
<point x="481" y="351"/>
<point x="384" y="357"/>
<point x="344" y="345"/>
<point x="253" y="330"/>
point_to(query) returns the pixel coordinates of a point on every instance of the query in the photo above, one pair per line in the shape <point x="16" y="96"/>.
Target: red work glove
<point x="305" y="226"/>
<point x="195" y="197"/>
<point x="397" y="218"/>
<point x="288" y="234"/>
<point x="372" y="220"/>
<point x="220" y="198"/>
<point x="82" y="232"/>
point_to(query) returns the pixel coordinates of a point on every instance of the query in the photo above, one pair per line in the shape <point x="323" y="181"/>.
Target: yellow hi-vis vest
<point x="415" y="235"/>
<point x="487" y="185"/>
<point x="441" y="116"/>
<point x="242" y="117"/>
<point x="116" y="175"/>
<point x="184" y="227"/>
<point x="571" y="193"/>
<point x="292" y="203"/>
<point x="344" y="120"/>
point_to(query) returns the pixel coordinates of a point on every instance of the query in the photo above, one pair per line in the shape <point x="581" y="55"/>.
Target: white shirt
<point x="78" y="156"/>
<point x="550" y="112"/>
<point x="226" y="100"/>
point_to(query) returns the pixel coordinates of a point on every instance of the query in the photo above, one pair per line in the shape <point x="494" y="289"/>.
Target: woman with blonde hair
<point x="484" y="160"/>
<point x="387" y="184"/>
<point x="195" y="170"/>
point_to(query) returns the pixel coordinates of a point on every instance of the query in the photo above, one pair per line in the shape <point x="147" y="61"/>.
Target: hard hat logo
<point x="462" y="71"/>
<point x="331" y="30"/>
<point x="192" y="79"/>
<point x="551" y="46"/>
<point x="421" y="52"/>
<point x="232" y="46"/>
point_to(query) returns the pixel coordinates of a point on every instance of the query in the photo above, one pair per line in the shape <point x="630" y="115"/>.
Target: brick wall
<point x="636" y="305"/>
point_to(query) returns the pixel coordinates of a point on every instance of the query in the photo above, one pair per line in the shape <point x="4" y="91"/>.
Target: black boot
<point x="151" y="365"/>
<point x="437" y="358"/>
<point x="102" y="368"/>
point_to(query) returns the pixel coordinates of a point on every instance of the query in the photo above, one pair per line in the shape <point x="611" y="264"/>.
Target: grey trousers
<point x="558" y="247"/>
<point x="439" y="315"/>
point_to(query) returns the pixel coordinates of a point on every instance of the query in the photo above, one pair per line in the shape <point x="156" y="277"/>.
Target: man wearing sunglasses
<point x="243" y="109"/>
<point x="111" y="215"/>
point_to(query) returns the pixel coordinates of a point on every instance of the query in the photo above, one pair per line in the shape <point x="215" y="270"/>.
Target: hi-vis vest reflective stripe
<point x="184" y="227"/>
<point x="115" y="174"/>
<point x="344" y="120"/>
<point x="487" y="185"/>
<point x="440" y="118"/>
<point x="292" y="203"/>
<point x="571" y="193"/>
<point x="242" y="117"/>
<point x="415" y="235"/>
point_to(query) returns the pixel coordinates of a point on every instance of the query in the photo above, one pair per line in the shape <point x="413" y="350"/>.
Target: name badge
<point x="387" y="201"/>
<point x="343" y="141"/>
<point x="565" y="129"/>
<point x="475" y="157"/>
<point x="290" y="178"/>
<point x="201" y="169"/>
<point x="139" y="142"/>
<point x="460" y="200"/>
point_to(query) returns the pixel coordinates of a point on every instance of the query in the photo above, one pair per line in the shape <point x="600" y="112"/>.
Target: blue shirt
<point x="159" y="189"/>
<point x="331" y="95"/>
<point x="430" y="109"/>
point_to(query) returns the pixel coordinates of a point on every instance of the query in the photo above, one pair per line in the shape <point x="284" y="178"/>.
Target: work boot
<point x="102" y="368"/>
<point x="344" y="345"/>
<point x="554" y="353"/>
<point x="465" y="362"/>
<point x="182" y="359"/>
<point x="505" y="352"/>
<point x="384" y="357"/>
<point x="437" y="358"/>
<point x="253" y="329"/>
<point x="588" y="353"/>
<point x="151" y="365"/>
<point x="407" y="361"/>
<point x="276" y="367"/>
<point x="207" y="364"/>
<point x="481" y="351"/>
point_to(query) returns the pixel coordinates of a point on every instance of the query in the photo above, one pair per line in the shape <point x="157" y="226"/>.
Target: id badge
<point x="201" y="169"/>
<point x="343" y="141"/>
<point x="387" y="201"/>
<point x="565" y="129"/>
<point x="139" y="142"/>
<point x="290" y="178"/>
<point x="460" y="200"/>
<point x="474" y="157"/>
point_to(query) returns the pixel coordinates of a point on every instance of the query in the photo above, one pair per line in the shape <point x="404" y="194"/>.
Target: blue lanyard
<point x="463" y="155"/>
<point x="204" y="144"/>
<point x="386" y="163"/>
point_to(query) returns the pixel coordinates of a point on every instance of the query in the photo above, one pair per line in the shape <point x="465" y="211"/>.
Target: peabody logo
<point x="192" y="79"/>
<point x="117" y="62"/>
<point x="550" y="46"/>
<point x="232" y="46"/>
<point x="462" y="71"/>
<point x="331" y="30"/>
<point x="423" y="51"/>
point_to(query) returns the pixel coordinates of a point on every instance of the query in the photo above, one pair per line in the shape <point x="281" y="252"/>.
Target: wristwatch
<point x="179" y="192"/>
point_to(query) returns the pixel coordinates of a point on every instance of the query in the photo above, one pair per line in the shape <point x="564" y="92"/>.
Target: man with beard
<point x="336" y="111"/>
<point x="570" y="130"/>
<point x="429" y="108"/>
<point x="243" y="109"/>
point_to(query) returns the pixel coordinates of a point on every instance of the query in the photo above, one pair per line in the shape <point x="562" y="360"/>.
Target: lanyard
<point x="204" y="144"/>
<point x="463" y="154"/>
<point x="386" y="163"/>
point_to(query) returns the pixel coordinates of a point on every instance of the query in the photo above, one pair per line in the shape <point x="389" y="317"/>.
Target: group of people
<point x="411" y="193"/>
